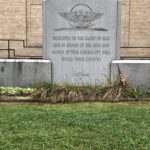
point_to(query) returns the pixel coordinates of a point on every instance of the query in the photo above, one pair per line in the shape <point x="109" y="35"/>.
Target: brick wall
<point x="21" y="21"/>
<point x="135" y="34"/>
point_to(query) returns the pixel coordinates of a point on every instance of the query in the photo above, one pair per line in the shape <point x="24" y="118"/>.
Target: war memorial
<point x="81" y="40"/>
<point x="81" y="46"/>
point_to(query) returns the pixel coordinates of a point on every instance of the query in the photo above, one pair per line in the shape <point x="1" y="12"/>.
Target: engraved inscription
<point x="81" y="48"/>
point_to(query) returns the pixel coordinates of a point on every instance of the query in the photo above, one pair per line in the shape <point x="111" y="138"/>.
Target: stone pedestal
<point x="23" y="72"/>
<point x="137" y="72"/>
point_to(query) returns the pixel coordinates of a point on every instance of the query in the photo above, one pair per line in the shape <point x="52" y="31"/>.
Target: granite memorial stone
<point x="81" y="39"/>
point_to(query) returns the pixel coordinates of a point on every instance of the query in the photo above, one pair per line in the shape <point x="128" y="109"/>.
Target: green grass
<point x="85" y="126"/>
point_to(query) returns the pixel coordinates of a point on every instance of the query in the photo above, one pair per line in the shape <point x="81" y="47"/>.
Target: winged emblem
<point x="80" y="19"/>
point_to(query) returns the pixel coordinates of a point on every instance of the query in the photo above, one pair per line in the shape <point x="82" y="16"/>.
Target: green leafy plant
<point x="16" y="91"/>
<point x="137" y="93"/>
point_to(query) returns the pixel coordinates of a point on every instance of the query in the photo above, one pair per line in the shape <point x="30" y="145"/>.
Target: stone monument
<point x="81" y="39"/>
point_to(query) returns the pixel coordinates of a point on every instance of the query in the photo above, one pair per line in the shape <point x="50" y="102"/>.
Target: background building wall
<point x="135" y="33"/>
<point x="21" y="23"/>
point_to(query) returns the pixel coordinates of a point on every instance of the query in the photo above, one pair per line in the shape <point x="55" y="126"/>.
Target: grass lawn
<point x="85" y="126"/>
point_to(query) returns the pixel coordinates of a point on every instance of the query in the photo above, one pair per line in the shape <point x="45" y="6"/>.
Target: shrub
<point x="16" y="91"/>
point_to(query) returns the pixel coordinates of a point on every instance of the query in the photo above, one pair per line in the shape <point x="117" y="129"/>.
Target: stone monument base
<point x="137" y="72"/>
<point x="27" y="72"/>
<point x="22" y="72"/>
